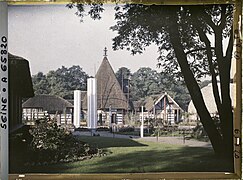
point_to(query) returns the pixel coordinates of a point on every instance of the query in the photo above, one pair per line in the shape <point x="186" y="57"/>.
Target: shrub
<point x="52" y="143"/>
<point x="103" y="128"/>
<point x="126" y="129"/>
<point x="199" y="133"/>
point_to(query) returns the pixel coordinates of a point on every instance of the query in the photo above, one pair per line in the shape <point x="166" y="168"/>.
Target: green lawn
<point x="129" y="155"/>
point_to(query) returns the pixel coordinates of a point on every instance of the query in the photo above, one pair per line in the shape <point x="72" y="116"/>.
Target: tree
<point x="185" y="50"/>
<point x="123" y="76"/>
<point x="40" y="84"/>
<point x="61" y="82"/>
<point x="64" y="81"/>
<point x="144" y="82"/>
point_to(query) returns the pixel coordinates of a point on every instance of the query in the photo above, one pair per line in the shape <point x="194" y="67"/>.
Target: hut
<point x="112" y="103"/>
<point x="20" y="87"/>
<point x="51" y="106"/>
<point x="110" y="97"/>
<point x="162" y="107"/>
<point x="207" y="93"/>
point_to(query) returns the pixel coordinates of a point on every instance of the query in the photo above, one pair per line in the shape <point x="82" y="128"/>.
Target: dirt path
<point x="167" y="140"/>
<point x="179" y="141"/>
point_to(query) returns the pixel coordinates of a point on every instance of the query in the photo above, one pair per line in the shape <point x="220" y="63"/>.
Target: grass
<point x="130" y="156"/>
<point x="162" y="133"/>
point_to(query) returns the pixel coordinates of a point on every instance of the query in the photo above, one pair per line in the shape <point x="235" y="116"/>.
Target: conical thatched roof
<point x="109" y="92"/>
<point x="48" y="103"/>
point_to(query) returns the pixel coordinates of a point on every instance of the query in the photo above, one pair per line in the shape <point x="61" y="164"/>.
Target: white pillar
<point x="77" y="108"/>
<point x="141" y="128"/>
<point x="110" y="116"/>
<point x="4" y="100"/>
<point x="92" y="104"/>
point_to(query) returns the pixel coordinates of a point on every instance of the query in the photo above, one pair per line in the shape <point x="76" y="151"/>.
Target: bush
<point x="199" y="133"/>
<point x="103" y="128"/>
<point x="126" y="129"/>
<point x="19" y="151"/>
<point x="52" y="143"/>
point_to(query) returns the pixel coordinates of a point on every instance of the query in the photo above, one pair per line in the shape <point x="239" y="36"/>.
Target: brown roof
<point x="20" y="78"/>
<point x="156" y="99"/>
<point x="138" y="104"/>
<point x="109" y="91"/>
<point x="150" y="101"/>
<point x="48" y="103"/>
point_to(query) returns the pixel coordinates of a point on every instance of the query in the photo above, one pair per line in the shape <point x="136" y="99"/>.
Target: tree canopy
<point x="193" y="41"/>
<point x="123" y="76"/>
<point x="139" y="85"/>
<point x="61" y="82"/>
<point x="185" y="50"/>
<point x="146" y="82"/>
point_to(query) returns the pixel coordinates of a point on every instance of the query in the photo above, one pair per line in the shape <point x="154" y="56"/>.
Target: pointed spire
<point x="105" y="50"/>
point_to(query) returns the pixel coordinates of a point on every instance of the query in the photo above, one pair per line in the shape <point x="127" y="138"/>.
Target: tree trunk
<point x="226" y="113"/>
<point x="227" y="122"/>
<point x="226" y="116"/>
<point x="223" y="103"/>
<point x="193" y="88"/>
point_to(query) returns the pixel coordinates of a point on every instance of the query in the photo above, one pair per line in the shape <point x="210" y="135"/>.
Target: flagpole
<point x="141" y="128"/>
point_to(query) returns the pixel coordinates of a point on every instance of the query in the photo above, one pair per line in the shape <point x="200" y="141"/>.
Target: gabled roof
<point x="109" y="91"/>
<point x="157" y="99"/>
<point x="48" y="103"/>
<point x="138" y="104"/>
<point x="20" y="78"/>
<point x="207" y="93"/>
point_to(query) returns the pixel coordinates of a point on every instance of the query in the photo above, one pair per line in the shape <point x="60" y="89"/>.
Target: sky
<point x="50" y="36"/>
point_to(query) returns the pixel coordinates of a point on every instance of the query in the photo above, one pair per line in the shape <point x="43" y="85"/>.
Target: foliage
<point x="140" y="84"/>
<point x="199" y="133"/>
<point x="146" y="82"/>
<point x="40" y="83"/>
<point x="186" y="51"/>
<point x="139" y="26"/>
<point x="52" y="143"/>
<point x="176" y="89"/>
<point x="61" y="82"/>
<point x="94" y="11"/>
<point x="126" y="129"/>
<point x="123" y="75"/>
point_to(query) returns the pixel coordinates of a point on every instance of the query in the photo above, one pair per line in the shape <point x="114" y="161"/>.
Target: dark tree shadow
<point x="185" y="159"/>
<point x="108" y="142"/>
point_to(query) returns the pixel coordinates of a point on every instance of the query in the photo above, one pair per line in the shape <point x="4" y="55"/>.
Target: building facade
<point x="162" y="107"/>
<point x="48" y="106"/>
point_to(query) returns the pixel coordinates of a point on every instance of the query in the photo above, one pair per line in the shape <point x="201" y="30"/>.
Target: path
<point x="167" y="140"/>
